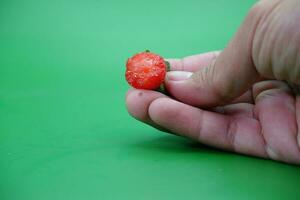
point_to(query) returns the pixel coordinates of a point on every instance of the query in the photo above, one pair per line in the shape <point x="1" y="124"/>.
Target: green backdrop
<point x="64" y="130"/>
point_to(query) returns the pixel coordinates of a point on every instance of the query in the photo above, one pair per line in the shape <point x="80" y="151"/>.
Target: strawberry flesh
<point x="145" y="70"/>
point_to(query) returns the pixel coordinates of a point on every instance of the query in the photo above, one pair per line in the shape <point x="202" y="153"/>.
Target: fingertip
<point x="175" y="64"/>
<point x="178" y="75"/>
<point x="175" y="116"/>
<point x="129" y="91"/>
<point x="134" y="106"/>
<point x="159" y="108"/>
<point x="138" y="101"/>
<point x="181" y="86"/>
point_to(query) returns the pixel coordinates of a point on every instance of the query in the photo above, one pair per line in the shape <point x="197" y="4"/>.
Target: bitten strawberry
<point x="146" y="70"/>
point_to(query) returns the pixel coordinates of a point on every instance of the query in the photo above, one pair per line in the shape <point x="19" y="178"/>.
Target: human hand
<point x="237" y="99"/>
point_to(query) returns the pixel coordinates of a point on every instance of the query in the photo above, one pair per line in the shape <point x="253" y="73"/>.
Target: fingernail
<point x="272" y="153"/>
<point x="178" y="75"/>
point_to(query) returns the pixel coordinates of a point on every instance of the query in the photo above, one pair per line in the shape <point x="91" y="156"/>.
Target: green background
<point x="64" y="129"/>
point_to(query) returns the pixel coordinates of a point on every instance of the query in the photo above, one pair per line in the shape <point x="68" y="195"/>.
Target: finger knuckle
<point x="231" y="133"/>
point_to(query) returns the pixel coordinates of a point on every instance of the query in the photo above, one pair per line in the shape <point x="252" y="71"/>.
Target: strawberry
<point x="146" y="70"/>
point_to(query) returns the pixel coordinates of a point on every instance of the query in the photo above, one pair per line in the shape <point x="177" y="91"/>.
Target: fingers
<point x="238" y="133"/>
<point x="236" y="110"/>
<point x="276" y="49"/>
<point x="244" y="98"/>
<point x="193" y="63"/>
<point x="275" y="109"/>
<point x="223" y="80"/>
<point x="138" y="102"/>
<point x="274" y="135"/>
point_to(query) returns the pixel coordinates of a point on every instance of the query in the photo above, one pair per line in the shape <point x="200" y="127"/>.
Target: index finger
<point x="193" y="63"/>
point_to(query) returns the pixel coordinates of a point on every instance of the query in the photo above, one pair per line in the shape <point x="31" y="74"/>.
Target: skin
<point x="243" y="99"/>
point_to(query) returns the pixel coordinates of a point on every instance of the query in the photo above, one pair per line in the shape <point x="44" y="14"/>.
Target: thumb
<point x="229" y="75"/>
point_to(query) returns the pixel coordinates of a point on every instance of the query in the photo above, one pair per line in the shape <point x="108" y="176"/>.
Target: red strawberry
<point x="146" y="70"/>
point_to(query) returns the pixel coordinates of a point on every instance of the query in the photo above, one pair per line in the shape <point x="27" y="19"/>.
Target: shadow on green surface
<point x="175" y="144"/>
<point x="170" y="144"/>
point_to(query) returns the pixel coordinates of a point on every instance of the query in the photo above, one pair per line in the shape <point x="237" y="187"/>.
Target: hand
<point x="237" y="99"/>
